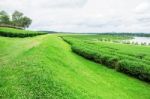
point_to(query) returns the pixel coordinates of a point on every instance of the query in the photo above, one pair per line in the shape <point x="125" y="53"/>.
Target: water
<point x="139" y="40"/>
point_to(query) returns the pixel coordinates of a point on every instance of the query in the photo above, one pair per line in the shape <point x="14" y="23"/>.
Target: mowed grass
<point x="45" y="67"/>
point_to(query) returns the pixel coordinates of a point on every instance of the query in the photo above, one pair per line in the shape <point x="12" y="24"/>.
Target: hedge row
<point x="137" y="69"/>
<point x="10" y="32"/>
<point x="19" y="35"/>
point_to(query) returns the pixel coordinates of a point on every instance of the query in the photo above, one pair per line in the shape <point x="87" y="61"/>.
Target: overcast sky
<point x="84" y="15"/>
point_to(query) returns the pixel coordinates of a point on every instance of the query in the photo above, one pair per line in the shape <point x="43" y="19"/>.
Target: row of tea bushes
<point x="11" y="32"/>
<point x="129" y="64"/>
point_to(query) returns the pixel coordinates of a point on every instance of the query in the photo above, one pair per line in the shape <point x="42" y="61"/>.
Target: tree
<point x="19" y="20"/>
<point x="16" y="17"/>
<point x="4" y="18"/>
<point x="25" y="22"/>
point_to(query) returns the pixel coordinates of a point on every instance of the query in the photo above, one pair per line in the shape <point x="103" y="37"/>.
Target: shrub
<point x="136" y="69"/>
<point x="10" y="32"/>
<point x="134" y="65"/>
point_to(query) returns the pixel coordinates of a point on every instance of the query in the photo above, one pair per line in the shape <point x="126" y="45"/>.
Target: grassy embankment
<point x="45" y="67"/>
<point x="130" y="59"/>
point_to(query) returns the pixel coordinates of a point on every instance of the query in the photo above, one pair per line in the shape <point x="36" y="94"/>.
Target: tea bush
<point x="11" y="32"/>
<point x="130" y="59"/>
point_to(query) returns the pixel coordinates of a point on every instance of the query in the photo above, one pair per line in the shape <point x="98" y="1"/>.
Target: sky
<point x="84" y="15"/>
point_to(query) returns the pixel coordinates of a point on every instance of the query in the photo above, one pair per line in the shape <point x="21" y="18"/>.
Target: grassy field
<point x="130" y="59"/>
<point x="45" y="67"/>
<point x="11" y="32"/>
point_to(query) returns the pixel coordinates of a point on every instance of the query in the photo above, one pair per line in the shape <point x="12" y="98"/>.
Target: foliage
<point x="18" y="19"/>
<point x="11" y="32"/>
<point x="130" y="59"/>
<point x="4" y="18"/>
<point x="25" y="22"/>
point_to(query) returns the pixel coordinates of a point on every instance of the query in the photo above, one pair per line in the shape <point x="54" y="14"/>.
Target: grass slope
<point x="45" y="67"/>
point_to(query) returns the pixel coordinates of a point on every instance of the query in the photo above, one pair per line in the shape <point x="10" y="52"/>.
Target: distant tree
<point x="19" y="20"/>
<point x="4" y="18"/>
<point x="16" y="17"/>
<point x="25" y="22"/>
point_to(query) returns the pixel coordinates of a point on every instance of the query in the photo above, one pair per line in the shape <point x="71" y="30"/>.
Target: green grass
<point x="45" y="67"/>
<point x="130" y="59"/>
<point x="11" y="32"/>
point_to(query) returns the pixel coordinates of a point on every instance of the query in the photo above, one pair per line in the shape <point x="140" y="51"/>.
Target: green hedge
<point x="10" y="32"/>
<point x="130" y="66"/>
<point x="136" y="69"/>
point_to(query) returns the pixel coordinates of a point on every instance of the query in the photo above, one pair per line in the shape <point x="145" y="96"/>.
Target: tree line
<point x="17" y="19"/>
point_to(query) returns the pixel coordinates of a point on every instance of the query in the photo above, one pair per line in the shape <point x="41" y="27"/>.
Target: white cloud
<point x="142" y="7"/>
<point x="84" y="15"/>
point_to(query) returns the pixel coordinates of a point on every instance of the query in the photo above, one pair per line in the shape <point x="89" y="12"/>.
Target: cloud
<point x="84" y="15"/>
<point x="145" y="6"/>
